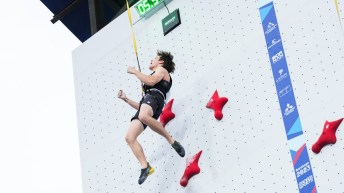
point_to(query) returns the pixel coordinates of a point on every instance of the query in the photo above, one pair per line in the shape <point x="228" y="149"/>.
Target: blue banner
<point x="291" y="119"/>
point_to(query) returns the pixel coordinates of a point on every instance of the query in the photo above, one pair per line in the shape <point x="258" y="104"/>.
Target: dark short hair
<point x="167" y="57"/>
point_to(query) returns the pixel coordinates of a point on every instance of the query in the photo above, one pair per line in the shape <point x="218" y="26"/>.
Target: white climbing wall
<point x="219" y="45"/>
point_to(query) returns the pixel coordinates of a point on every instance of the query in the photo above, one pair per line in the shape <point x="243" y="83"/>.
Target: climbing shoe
<point x="145" y="173"/>
<point x="179" y="148"/>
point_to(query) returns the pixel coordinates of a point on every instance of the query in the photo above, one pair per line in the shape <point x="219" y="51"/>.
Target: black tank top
<point x="162" y="85"/>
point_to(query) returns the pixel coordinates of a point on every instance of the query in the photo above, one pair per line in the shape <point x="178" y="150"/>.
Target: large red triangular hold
<point x="216" y="103"/>
<point x="167" y="114"/>
<point x="328" y="135"/>
<point x="192" y="169"/>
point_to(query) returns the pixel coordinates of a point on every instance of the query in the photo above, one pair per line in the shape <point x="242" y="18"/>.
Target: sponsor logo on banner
<point x="306" y="181"/>
<point x="302" y="170"/>
<point x="273" y="43"/>
<point x="277" y="57"/>
<point x="271" y="27"/>
<point x="281" y="76"/>
<point x="284" y="91"/>
<point x="288" y="105"/>
<point x="290" y="108"/>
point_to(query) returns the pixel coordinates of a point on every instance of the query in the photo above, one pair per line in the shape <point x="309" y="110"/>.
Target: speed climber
<point x="155" y="87"/>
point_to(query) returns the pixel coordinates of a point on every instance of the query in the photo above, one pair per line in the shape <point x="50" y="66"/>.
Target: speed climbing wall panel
<point x="219" y="46"/>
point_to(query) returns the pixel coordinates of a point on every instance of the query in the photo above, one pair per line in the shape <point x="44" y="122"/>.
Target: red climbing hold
<point x="328" y="135"/>
<point x="167" y="114"/>
<point x="192" y="169"/>
<point x="216" y="103"/>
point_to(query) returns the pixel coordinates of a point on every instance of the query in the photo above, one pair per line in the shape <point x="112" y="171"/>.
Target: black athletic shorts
<point x="153" y="99"/>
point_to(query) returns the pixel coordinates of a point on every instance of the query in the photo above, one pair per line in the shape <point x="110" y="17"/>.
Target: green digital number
<point x="140" y="9"/>
<point x="155" y="2"/>
<point x="146" y="5"/>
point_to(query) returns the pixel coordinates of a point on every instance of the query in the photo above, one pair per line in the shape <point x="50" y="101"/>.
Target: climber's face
<point x="156" y="62"/>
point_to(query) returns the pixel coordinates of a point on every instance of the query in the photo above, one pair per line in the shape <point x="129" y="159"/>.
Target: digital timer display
<point x="145" y="6"/>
